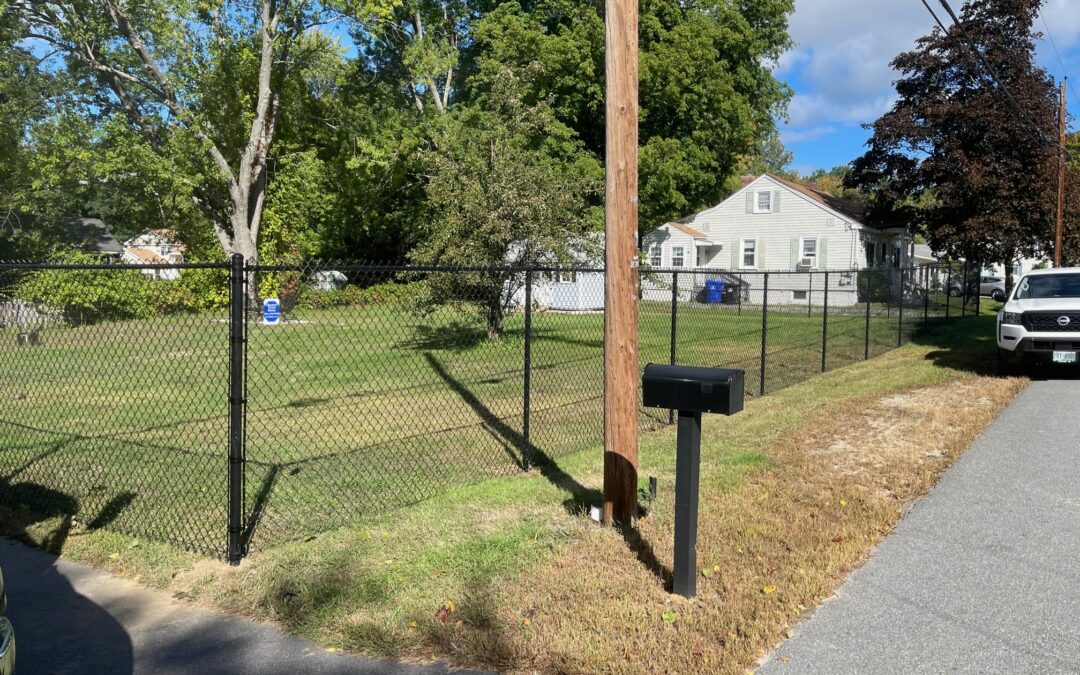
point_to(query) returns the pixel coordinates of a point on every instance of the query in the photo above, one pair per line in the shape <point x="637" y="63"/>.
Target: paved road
<point x="981" y="576"/>
<point x="70" y="618"/>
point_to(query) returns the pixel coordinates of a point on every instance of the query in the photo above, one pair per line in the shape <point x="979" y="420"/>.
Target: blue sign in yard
<point x="271" y="311"/>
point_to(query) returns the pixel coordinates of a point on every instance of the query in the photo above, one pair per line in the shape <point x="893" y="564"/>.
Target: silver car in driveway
<point x="988" y="285"/>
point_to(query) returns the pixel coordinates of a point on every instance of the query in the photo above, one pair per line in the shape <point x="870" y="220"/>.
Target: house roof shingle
<point x="696" y="234"/>
<point x="146" y="255"/>
<point x="844" y="207"/>
<point x="92" y="235"/>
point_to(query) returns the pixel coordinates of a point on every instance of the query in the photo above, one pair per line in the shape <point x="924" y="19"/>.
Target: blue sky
<point x="840" y="71"/>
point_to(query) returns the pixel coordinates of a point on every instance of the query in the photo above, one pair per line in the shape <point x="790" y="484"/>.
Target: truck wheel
<point x="1008" y="364"/>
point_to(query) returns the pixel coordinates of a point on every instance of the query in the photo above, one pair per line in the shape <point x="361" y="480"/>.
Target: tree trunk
<point x="1008" y="276"/>
<point x="495" y="325"/>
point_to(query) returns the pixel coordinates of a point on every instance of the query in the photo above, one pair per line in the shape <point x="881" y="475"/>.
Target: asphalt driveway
<point x="982" y="575"/>
<point x="70" y="618"/>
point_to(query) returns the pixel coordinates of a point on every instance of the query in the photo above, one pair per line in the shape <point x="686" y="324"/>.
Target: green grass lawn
<point x="350" y="412"/>
<point x="510" y="574"/>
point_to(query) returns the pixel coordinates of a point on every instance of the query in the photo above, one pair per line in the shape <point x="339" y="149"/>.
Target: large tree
<point x="203" y="84"/>
<point x="708" y="95"/>
<point x="508" y="186"/>
<point x="954" y="157"/>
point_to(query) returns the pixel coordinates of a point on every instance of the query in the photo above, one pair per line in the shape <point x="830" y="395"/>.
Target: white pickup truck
<point x="1040" y="323"/>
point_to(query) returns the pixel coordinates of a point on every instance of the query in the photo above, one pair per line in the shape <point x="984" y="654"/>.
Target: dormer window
<point x="763" y="202"/>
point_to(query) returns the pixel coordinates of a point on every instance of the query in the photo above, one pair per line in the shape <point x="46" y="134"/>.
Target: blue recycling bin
<point x="714" y="291"/>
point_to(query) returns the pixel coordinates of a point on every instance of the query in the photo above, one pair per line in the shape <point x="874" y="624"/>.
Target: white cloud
<point x="812" y="134"/>
<point x="840" y="65"/>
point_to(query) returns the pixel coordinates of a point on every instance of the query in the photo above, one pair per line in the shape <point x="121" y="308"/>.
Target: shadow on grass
<point x="968" y="344"/>
<point x="581" y="497"/>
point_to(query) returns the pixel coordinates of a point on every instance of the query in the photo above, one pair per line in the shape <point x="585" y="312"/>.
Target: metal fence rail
<point x="161" y="404"/>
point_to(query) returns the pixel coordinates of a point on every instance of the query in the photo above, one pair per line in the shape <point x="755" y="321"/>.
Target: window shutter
<point x="736" y="254"/>
<point x="749" y="201"/>
<point x="823" y="253"/>
<point x="761" y="255"/>
<point x="776" y="201"/>
<point x="795" y="252"/>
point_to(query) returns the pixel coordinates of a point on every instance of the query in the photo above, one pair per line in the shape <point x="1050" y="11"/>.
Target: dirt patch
<point x="908" y="430"/>
<point x="768" y="550"/>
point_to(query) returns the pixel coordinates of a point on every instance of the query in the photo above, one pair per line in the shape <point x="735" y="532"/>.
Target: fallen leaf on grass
<point x="445" y="611"/>
<point x="843" y="502"/>
<point x="769" y="589"/>
<point x="114" y="556"/>
<point x="412" y="624"/>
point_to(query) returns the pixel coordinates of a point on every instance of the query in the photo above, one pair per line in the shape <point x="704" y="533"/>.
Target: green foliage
<point x="952" y="156"/>
<point x="88" y="296"/>
<point x="348" y="170"/>
<point x="707" y="94"/>
<point x="507" y="185"/>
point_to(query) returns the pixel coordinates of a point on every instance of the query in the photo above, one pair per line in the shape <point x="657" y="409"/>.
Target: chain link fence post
<point x="237" y="405"/>
<point x="674" y="326"/>
<point x="900" y="322"/>
<point x="966" y="290"/>
<point x="764" y="331"/>
<point x="526" y="407"/>
<point x="825" y="323"/>
<point x="978" y="285"/>
<point x="948" y="291"/>
<point x="869" y="294"/>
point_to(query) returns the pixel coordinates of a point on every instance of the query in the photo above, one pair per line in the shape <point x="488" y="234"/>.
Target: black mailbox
<point x="692" y="389"/>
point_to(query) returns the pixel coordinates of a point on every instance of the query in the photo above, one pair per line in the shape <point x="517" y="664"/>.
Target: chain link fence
<point x="157" y="401"/>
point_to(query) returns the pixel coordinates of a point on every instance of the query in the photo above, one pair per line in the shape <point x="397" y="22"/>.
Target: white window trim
<point x="742" y="255"/>
<point x="659" y="255"/>
<point x="683" y="256"/>
<point x="817" y="250"/>
<point x="757" y="201"/>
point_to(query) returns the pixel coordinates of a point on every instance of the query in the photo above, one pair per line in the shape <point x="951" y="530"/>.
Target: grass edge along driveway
<point x="510" y="574"/>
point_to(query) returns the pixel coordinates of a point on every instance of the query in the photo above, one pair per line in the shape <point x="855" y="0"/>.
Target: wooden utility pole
<point x="620" y="281"/>
<point x="1061" y="179"/>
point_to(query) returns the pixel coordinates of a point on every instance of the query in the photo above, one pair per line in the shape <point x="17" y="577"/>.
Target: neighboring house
<point x="775" y="225"/>
<point x="155" y="247"/>
<point x="92" y="236"/>
<point x="1019" y="267"/>
<point x="568" y="291"/>
<point x="922" y="255"/>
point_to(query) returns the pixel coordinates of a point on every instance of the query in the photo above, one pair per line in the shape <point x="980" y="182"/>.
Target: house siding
<point x="779" y="236"/>
<point x="729" y="222"/>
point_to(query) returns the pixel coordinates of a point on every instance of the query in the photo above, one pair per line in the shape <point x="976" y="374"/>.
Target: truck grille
<point x="1047" y="322"/>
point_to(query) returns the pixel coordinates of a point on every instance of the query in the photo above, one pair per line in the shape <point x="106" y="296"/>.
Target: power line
<point x="997" y="80"/>
<point x="1064" y="70"/>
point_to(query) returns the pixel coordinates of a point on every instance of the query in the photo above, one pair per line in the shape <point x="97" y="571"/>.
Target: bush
<point x="88" y="296"/>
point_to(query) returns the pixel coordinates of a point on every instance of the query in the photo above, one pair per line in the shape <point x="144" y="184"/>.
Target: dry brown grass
<point x="772" y="547"/>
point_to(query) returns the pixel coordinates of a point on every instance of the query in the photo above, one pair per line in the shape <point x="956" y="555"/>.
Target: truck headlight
<point x="1011" y="318"/>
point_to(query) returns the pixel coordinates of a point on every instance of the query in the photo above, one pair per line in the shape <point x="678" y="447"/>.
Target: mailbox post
<point x="691" y="391"/>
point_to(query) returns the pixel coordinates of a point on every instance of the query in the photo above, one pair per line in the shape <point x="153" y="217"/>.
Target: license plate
<point x="1064" y="357"/>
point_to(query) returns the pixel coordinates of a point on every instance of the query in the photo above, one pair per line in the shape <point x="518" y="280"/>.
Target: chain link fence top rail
<point x="380" y="386"/>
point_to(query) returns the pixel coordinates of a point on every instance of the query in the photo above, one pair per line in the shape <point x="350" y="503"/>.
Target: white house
<point x="155" y="247"/>
<point x="775" y="225"/>
<point x="564" y="291"/>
